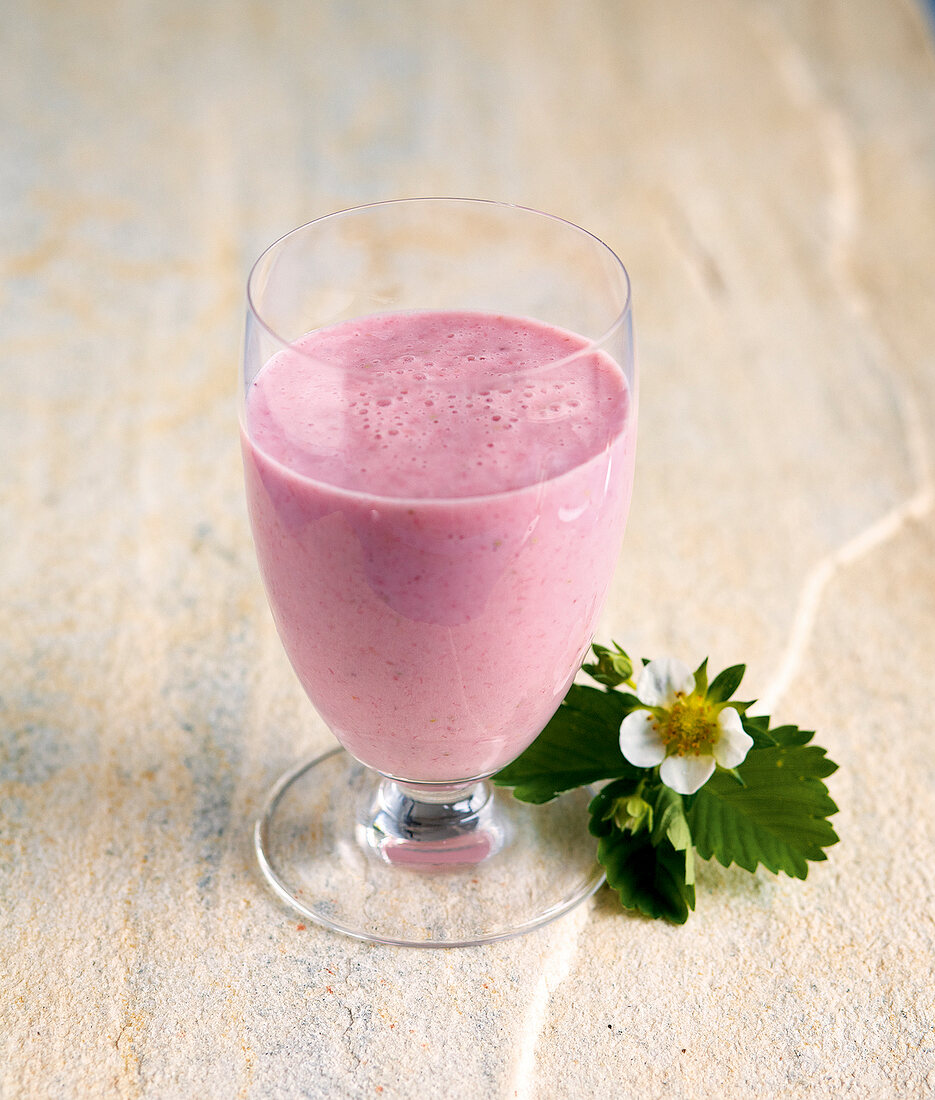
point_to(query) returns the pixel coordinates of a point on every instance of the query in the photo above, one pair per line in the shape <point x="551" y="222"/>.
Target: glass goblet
<point x="438" y="423"/>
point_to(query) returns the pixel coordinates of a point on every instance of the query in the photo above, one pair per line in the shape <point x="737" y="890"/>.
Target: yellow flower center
<point x="688" y="729"/>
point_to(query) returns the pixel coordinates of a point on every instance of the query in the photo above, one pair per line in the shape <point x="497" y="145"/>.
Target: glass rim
<point x="592" y="344"/>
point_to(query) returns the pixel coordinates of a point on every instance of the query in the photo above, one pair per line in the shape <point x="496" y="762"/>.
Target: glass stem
<point x="431" y="827"/>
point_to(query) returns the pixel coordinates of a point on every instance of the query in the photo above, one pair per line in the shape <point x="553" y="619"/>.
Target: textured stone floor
<point x="767" y="172"/>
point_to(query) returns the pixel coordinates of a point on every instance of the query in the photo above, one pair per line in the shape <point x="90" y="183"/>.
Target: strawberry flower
<point x="677" y="727"/>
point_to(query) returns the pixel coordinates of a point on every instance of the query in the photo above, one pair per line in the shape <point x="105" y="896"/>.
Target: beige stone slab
<point x="767" y="173"/>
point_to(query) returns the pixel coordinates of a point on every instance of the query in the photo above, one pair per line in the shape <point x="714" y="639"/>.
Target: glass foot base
<point x="362" y="856"/>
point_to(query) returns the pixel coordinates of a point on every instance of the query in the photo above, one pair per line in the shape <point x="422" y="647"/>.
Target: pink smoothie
<point x="437" y="505"/>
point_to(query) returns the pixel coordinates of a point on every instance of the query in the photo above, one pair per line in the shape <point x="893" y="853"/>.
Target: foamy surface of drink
<point x="436" y="404"/>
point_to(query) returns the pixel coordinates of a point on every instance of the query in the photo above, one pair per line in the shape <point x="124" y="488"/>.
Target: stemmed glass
<point x="438" y="422"/>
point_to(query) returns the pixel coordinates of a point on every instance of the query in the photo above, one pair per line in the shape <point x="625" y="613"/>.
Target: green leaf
<point x="726" y="683"/>
<point x="648" y="878"/>
<point x="580" y="745"/>
<point x="701" y="677"/>
<point x="792" y="735"/>
<point x="629" y="701"/>
<point x="778" y="818"/>
<point x="689" y="853"/>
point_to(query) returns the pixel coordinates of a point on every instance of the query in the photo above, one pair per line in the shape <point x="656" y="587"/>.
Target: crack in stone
<point x="817" y="581"/>
<point x="843" y="210"/>
<point x="698" y="257"/>
<point x="344" y="1037"/>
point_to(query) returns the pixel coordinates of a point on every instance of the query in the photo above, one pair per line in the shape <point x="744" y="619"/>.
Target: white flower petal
<point x="734" y="743"/>
<point x="661" y="680"/>
<point x="685" y="774"/>
<point x="640" y="742"/>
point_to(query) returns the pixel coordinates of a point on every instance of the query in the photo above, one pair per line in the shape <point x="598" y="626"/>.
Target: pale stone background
<point x="766" y="168"/>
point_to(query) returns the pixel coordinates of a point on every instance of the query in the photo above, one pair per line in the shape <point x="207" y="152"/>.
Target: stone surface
<point x="767" y="173"/>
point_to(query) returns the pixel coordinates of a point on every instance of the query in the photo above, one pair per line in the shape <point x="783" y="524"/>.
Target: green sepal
<point x="613" y="666"/>
<point x="580" y="745"/>
<point x="667" y="808"/>
<point x="646" y="877"/>
<point x="601" y="806"/>
<point x="724" y="685"/>
<point x="701" y="677"/>
<point x="671" y="823"/>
